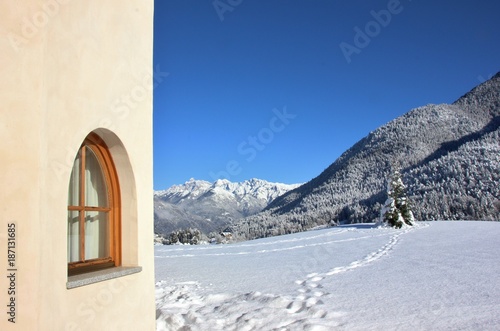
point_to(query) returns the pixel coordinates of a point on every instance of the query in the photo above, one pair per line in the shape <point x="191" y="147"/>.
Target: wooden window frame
<point x="101" y="151"/>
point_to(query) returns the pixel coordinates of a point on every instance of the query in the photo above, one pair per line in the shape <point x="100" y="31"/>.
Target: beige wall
<point x="67" y="68"/>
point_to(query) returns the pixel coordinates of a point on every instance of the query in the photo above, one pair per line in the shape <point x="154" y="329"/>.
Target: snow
<point x="435" y="276"/>
<point x="252" y="188"/>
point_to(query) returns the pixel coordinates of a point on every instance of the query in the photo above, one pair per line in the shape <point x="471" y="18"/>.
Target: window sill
<point x="99" y="276"/>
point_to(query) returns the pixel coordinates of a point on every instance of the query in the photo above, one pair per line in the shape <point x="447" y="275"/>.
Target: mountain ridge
<point x="211" y="206"/>
<point x="352" y="188"/>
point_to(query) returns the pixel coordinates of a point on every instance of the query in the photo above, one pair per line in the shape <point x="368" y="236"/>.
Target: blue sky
<point x="277" y="90"/>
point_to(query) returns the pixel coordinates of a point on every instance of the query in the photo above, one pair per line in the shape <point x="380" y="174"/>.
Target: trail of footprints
<point x="312" y="280"/>
<point x="253" y="311"/>
<point x="311" y="290"/>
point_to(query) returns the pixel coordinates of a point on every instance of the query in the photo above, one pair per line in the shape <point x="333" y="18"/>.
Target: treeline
<point x="462" y="185"/>
<point x="189" y="236"/>
<point x="450" y="161"/>
<point x="193" y="236"/>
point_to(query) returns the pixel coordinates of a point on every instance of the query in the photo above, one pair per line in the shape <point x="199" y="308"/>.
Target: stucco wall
<point x="67" y="68"/>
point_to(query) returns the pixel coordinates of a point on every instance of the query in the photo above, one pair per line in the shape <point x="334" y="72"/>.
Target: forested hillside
<point x="448" y="155"/>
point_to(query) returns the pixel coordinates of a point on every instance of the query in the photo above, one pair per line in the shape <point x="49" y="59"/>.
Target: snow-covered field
<point x="437" y="276"/>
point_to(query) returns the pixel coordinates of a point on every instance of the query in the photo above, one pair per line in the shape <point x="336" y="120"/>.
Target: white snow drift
<point x="436" y="276"/>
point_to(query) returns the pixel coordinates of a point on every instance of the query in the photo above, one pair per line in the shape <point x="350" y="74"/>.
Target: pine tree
<point x="397" y="208"/>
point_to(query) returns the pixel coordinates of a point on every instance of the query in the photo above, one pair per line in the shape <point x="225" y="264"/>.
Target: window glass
<point x="95" y="185"/>
<point x="96" y="235"/>
<point x="74" y="183"/>
<point x="73" y="236"/>
<point x="93" y="210"/>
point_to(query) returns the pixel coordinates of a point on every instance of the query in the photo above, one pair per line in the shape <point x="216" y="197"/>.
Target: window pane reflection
<point x="74" y="182"/>
<point x="73" y="236"/>
<point x="96" y="235"/>
<point x="95" y="185"/>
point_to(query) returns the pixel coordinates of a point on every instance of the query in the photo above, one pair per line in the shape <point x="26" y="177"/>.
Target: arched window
<point x="93" y="209"/>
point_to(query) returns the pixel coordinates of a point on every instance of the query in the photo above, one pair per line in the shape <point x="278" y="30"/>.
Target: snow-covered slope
<point x="448" y="155"/>
<point x="437" y="276"/>
<point x="210" y="206"/>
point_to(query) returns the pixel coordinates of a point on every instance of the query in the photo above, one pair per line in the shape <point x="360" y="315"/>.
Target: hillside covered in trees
<point x="449" y="156"/>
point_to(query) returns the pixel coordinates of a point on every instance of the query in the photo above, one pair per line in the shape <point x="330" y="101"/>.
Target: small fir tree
<point x="396" y="211"/>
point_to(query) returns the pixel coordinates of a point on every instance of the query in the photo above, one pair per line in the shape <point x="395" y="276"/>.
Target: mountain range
<point x="448" y="154"/>
<point x="212" y="206"/>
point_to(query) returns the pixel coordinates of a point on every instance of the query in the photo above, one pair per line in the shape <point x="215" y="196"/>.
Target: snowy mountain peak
<point x="254" y="187"/>
<point x="205" y="205"/>
<point x="221" y="182"/>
